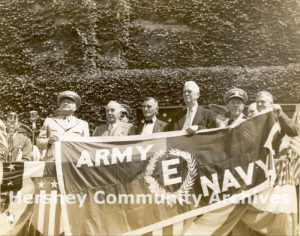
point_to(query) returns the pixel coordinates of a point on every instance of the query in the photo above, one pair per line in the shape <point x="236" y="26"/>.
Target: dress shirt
<point x="148" y="128"/>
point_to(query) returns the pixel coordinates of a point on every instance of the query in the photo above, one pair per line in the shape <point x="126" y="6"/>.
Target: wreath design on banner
<point x="187" y="184"/>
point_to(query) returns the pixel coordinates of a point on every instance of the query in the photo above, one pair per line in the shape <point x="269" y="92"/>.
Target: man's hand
<point x="53" y="139"/>
<point x="192" y="129"/>
<point x="277" y="108"/>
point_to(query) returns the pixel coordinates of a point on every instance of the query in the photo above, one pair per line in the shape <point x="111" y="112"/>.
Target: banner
<point x="17" y="190"/>
<point x="138" y="184"/>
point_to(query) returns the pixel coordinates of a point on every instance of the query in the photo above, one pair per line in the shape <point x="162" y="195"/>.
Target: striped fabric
<point x="47" y="211"/>
<point x="174" y="229"/>
<point x="17" y="214"/>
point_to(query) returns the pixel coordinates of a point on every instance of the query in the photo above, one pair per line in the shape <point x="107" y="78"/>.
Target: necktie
<point x="188" y="120"/>
<point x="148" y="121"/>
<point x="110" y="130"/>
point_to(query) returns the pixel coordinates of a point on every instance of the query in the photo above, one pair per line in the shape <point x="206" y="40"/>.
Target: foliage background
<point x="128" y="49"/>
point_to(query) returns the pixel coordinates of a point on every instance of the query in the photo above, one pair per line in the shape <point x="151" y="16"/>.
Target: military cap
<point x="69" y="94"/>
<point x="24" y="129"/>
<point x="218" y="109"/>
<point x="126" y="109"/>
<point x="235" y="93"/>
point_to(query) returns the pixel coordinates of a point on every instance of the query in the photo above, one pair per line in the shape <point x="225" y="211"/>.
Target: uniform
<point x="22" y="148"/>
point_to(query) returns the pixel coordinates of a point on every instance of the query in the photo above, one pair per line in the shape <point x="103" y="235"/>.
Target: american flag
<point x="47" y="211"/>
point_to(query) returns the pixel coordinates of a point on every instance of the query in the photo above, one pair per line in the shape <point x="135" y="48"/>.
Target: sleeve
<point x="27" y="150"/>
<point x="288" y="126"/>
<point x="3" y="142"/>
<point x="95" y="133"/>
<point x="131" y="130"/>
<point x="211" y="120"/>
<point x="86" y="131"/>
<point x="43" y="137"/>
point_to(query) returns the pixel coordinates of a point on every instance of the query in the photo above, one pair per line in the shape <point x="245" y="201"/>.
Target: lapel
<point x="139" y="129"/>
<point x="198" y="116"/>
<point x="157" y="126"/>
<point x="104" y="130"/>
<point x="60" y="122"/>
<point x="74" y="121"/>
<point x="66" y="125"/>
<point x="182" y="117"/>
<point x="119" y="129"/>
<point x="17" y="140"/>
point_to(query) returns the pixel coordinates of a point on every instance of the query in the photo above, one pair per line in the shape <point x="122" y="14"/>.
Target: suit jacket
<point x="122" y="129"/>
<point x="21" y="144"/>
<point x="288" y="127"/>
<point x="57" y="126"/>
<point x="159" y="126"/>
<point x="204" y="118"/>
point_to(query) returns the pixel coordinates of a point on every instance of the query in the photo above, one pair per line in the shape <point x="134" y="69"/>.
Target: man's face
<point x="235" y="107"/>
<point x="112" y="114"/>
<point x="263" y="102"/>
<point x="150" y="108"/>
<point x="190" y="94"/>
<point x="252" y="111"/>
<point x="68" y="104"/>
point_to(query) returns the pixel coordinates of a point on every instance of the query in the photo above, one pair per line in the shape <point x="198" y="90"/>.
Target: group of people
<point x="191" y="119"/>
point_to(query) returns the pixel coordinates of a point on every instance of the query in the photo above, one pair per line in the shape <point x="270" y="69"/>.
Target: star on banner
<point x="11" y="167"/>
<point x="165" y="115"/>
<point x="54" y="184"/>
<point x="41" y="184"/>
<point x="9" y="183"/>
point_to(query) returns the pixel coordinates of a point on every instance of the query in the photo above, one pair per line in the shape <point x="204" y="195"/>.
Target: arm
<point x="86" y="131"/>
<point x="211" y="120"/>
<point x="289" y="127"/>
<point x="131" y="130"/>
<point x="96" y="132"/>
<point x="43" y="138"/>
<point x="27" y="150"/>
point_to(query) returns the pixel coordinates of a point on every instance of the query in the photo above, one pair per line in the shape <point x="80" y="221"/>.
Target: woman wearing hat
<point x="63" y="124"/>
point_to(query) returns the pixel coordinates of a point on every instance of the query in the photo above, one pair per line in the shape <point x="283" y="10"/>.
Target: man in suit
<point x="21" y="149"/>
<point x="265" y="102"/>
<point x="151" y="124"/>
<point x="114" y="126"/>
<point x="193" y="117"/>
<point x="63" y="124"/>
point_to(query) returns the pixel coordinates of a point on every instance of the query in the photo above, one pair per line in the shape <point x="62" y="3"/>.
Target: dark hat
<point x="126" y="109"/>
<point x="24" y="129"/>
<point x="235" y="93"/>
<point x="69" y="94"/>
<point x="218" y="109"/>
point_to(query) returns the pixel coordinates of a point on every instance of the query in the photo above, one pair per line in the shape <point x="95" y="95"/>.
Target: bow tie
<point x="148" y="121"/>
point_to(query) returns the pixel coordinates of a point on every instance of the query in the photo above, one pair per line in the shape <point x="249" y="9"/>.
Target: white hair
<point x="192" y="85"/>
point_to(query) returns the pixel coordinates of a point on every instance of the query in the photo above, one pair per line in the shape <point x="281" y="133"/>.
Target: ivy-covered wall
<point x="127" y="49"/>
<point x="72" y="36"/>
<point x="25" y="93"/>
